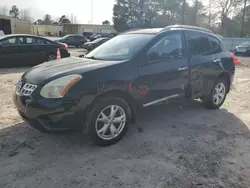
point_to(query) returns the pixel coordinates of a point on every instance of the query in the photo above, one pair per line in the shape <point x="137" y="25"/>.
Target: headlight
<point x="59" y="87"/>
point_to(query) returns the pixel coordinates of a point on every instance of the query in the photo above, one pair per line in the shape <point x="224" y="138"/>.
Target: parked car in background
<point x="73" y="40"/>
<point x="28" y="50"/>
<point x="101" y="93"/>
<point x="95" y="36"/>
<point x="93" y="44"/>
<point x="243" y="49"/>
<point x="1" y="33"/>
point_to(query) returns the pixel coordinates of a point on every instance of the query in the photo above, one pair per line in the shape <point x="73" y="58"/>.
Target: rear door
<point x="164" y="73"/>
<point x="201" y="61"/>
<point x="36" y="50"/>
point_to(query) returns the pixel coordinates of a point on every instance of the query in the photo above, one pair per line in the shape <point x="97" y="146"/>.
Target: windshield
<point x="121" y="47"/>
<point x="245" y="44"/>
<point x="98" y="40"/>
<point x="66" y="36"/>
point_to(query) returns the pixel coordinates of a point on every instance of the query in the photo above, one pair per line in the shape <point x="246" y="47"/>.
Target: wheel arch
<point x="133" y="104"/>
<point x="227" y="78"/>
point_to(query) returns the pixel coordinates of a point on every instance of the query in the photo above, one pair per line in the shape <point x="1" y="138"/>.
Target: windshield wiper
<point x="90" y="57"/>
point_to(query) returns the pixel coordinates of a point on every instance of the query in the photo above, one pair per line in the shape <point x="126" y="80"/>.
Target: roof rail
<point x="134" y="29"/>
<point x="187" y="27"/>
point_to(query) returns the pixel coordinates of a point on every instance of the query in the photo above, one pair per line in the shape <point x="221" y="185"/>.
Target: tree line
<point x="25" y="14"/>
<point x="226" y="17"/>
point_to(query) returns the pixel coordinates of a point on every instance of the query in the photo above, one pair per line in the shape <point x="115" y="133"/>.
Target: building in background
<point x="87" y="29"/>
<point x="10" y="25"/>
<point x="48" y="30"/>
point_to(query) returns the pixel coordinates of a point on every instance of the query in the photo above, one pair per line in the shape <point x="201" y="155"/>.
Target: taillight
<point x="236" y="61"/>
<point x="64" y="46"/>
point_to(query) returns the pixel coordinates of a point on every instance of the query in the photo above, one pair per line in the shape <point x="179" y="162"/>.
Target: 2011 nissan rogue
<point x="101" y="92"/>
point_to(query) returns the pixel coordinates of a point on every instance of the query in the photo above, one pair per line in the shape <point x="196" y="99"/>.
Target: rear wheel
<point x="217" y="96"/>
<point x="51" y="57"/>
<point x="107" y="121"/>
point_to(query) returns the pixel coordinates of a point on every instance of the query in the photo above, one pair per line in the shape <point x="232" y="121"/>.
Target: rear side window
<point x="42" y="41"/>
<point x="197" y="43"/>
<point x="30" y="40"/>
<point x="13" y="41"/>
<point x="215" y="45"/>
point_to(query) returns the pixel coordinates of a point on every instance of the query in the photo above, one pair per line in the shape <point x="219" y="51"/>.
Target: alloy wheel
<point x="51" y="57"/>
<point x="219" y="93"/>
<point x="110" y="122"/>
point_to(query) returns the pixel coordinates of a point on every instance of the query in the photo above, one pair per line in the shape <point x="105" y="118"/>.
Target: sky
<point x="102" y="9"/>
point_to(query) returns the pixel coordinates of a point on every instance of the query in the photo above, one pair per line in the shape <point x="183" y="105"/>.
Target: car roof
<point x="24" y="35"/>
<point x="156" y="31"/>
<point x="73" y="35"/>
<point x="21" y="35"/>
<point x="145" y="31"/>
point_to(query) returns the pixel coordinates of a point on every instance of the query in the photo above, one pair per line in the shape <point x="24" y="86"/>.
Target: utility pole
<point x="196" y="12"/>
<point x="183" y="12"/>
<point x="209" y="14"/>
<point x="92" y="10"/>
<point x="243" y="19"/>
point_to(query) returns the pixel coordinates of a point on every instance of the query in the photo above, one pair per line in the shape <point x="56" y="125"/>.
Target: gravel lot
<point x="176" y="145"/>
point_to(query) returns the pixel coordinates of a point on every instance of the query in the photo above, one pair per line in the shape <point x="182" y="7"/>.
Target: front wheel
<point x="107" y="121"/>
<point x="217" y="96"/>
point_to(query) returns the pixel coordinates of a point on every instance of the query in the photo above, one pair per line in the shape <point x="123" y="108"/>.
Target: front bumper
<point x="48" y="114"/>
<point x="247" y="52"/>
<point x="65" y="54"/>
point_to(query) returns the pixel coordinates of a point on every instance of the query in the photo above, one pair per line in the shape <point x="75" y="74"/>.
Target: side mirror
<point x="153" y="56"/>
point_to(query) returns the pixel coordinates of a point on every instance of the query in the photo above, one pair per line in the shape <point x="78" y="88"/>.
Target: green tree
<point x="106" y="22"/>
<point x="64" y="20"/>
<point x="47" y="20"/>
<point x="14" y="11"/>
<point x="129" y="14"/>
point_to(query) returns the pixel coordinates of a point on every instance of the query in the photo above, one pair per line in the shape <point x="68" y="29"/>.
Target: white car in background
<point x="1" y="33"/>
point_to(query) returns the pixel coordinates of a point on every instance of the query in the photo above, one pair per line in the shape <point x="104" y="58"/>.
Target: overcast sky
<point x="103" y="9"/>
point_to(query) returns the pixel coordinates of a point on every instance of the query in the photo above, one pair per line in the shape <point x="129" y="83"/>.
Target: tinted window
<point x="30" y="40"/>
<point x="12" y="41"/>
<point x="215" y="45"/>
<point x="197" y="43"/>
<point x="42" y="41"/>
<point x="168" y="47"/>
<point x="245" y="44"/>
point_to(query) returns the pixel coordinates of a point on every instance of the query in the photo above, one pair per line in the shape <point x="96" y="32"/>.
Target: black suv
<point x="101" y="92"/>
<point x="73" y="40"/>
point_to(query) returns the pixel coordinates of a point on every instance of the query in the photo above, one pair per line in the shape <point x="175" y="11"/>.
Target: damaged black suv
<point x="101" y="92"/>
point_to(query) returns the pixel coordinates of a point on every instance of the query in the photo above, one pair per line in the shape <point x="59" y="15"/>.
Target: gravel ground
<point x="176" y="145"/>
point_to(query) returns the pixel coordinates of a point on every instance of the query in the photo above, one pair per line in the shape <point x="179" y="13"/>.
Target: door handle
<point x="183" y="68"/>
<point x="217" y="60"/>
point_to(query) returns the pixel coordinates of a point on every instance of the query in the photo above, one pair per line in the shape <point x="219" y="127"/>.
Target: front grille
<point x="27" y="89"/>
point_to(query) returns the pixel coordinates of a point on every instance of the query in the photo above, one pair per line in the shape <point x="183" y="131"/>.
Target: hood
<point x="59" y="40"/>
<point x="243" y="46"/>
<point x="54" y="69"/>
<point x="88" y="43"/>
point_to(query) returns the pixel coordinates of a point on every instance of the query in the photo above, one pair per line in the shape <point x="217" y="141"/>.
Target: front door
<point x="164" y="74"/>
<point x="11" y="52"/>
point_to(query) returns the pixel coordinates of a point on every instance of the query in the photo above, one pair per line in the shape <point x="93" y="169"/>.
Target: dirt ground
<point x="179" y="145"/>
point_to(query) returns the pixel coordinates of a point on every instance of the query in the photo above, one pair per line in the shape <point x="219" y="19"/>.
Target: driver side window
<point x="167" y="48"/>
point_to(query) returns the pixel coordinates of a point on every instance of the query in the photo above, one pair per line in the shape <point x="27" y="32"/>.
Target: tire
<point x="105" y="124"/>
<point x="51" y="57"/>
<point x="213" y="102"/>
